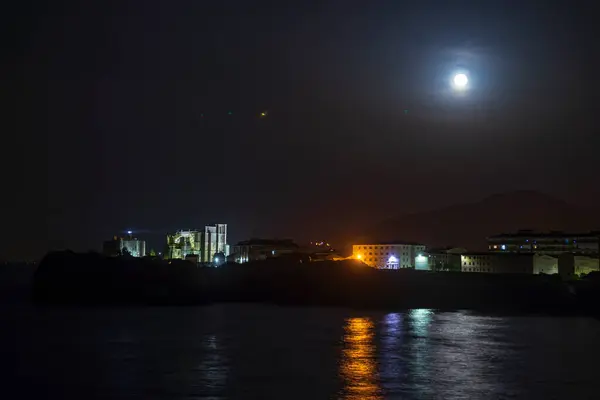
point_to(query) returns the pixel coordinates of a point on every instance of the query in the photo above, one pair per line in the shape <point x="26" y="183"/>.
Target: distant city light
<point x="421" y="258"/>
<point x="129" y="232"/>
<point x="392" y="259"/>
<point x="358" y="256"/>
<point x="273" y="252"/>
<point x="503" y="247"/>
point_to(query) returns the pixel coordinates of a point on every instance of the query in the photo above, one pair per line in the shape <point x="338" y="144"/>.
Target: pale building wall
<point x="497" y="263"/>
<point x="585" y="265"/>
<point x="422" y="263"/>
<point x="476" y="263"/>
<point x="545" y="264"/>
<point x="384" y="255"/>
<point x="137" y="248"/>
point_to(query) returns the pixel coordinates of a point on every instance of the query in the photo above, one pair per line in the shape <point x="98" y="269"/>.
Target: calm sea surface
<point x="267" y="352"/>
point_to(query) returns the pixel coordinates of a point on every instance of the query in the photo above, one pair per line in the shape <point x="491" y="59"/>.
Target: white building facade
<point x="391" y="255"/>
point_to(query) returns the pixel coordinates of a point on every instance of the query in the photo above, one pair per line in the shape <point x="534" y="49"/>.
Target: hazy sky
<point x="116" y="113"/>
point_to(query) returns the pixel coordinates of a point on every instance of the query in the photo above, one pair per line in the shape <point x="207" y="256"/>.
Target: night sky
<point x="116" y="114"/>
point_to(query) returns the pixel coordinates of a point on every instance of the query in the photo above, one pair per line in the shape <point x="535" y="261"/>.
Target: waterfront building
<point x="261" y="249"/>
<point x="447" y="259"/>
<point x="124" y="245"/>
<point x="550" y="243"/>
<point x="498" y="263"/>
<point x="565" y="264"/>
<point x="202" y="244"/>
<point x="394" y="255"/>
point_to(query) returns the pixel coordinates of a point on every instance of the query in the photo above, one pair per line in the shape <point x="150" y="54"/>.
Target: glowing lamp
<point x="392" y="259"/>
<point x="358" y="256"/>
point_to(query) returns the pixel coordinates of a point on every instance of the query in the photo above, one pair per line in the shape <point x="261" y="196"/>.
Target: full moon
<point x="461" y="80"/>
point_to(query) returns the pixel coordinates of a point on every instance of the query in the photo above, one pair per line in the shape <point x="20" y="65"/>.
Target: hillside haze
<point x="467" y="225"/>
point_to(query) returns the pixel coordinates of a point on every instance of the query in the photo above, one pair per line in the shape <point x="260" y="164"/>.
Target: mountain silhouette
<point x="468" y="225"/>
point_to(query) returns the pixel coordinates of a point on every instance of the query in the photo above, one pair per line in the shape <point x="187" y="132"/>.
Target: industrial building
<point x="550" y="243"/>
<point x="200" y="246"/>
<point x="498" y="263"/>
<point x="128" y="245"/>
<point x="261" y="249"/>
<point x="447" y="259"/>
<point x="391" y="255"/>
<point x="565" y="264"/>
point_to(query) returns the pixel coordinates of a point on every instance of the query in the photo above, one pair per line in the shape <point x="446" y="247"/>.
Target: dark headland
<point x="91" y="279"/>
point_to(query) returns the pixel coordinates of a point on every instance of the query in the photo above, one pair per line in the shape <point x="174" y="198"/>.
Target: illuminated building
<point x="447" y="259"/>
<point x="565" y="264"/>
<point x="551" y="243"/>
<point x="390" y="255"/>
<point x="261" y="249"/>
<point x="202" y="244"/>
<point x="127" y="245"/>
<point x="497" y="263"/>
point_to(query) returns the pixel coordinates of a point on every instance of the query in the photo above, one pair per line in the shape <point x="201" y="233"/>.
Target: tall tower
<point x="214" y="240"/>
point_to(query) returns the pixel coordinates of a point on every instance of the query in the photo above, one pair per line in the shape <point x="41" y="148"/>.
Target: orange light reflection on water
<point x="357" y="368"/>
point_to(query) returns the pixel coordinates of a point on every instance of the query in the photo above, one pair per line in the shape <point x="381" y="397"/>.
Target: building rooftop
<point x="551" y="234"/>
<point x="447" y="250"/>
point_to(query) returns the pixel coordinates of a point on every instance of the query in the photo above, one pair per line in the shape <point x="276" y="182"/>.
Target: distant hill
<point x="467" y="225"/>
